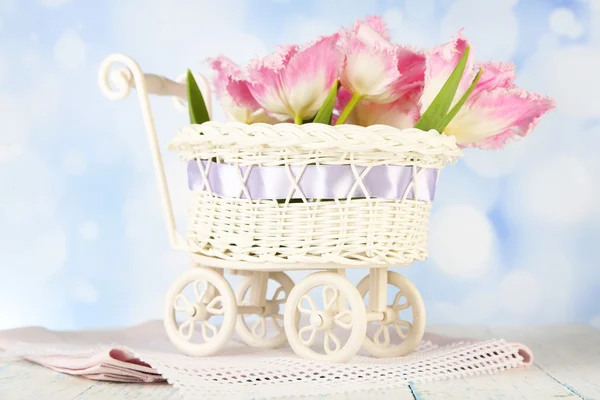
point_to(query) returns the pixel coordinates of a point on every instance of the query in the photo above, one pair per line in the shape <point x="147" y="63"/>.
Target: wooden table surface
<point x="566" y="366"/>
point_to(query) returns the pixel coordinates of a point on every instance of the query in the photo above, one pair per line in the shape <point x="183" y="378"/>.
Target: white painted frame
<point x="116" y="85"/>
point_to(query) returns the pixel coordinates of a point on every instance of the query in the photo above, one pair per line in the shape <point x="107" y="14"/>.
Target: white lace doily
<point x="269" y="374"/>
<point x="244" y="372"/>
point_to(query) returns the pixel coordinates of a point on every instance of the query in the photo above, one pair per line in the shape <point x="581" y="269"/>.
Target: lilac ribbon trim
<point x="317" y="181"/>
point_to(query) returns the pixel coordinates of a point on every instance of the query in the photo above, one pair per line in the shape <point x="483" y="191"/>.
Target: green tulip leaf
<point x="459" y="104"/>
<point x="326" y="111"/>
<point x="196" y="105"/>
<point x="437" y="110"/>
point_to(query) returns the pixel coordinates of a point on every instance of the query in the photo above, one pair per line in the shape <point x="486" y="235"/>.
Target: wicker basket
<point x="349" y="230"/>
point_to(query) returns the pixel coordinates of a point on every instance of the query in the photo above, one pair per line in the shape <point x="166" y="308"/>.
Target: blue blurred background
<point x="514" y="233"/>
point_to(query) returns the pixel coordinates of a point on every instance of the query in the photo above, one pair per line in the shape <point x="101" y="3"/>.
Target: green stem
<point x="298" y="119"/>
<point x="349" y="108"/>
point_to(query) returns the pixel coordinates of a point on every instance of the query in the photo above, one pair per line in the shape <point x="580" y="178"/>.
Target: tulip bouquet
<point x="359" y="76"/>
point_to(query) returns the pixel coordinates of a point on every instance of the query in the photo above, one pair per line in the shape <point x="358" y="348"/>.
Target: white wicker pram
<point x="272" y="198"/>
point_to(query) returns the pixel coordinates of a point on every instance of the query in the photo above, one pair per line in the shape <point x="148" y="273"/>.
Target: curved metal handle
<point x="116" y="85"/>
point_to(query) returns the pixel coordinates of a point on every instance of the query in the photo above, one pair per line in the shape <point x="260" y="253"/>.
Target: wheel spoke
<point x="189" y="326"/>
<point x="399" y="307"/>
<point x="310" y="302"/>
<point x="186" y="307"/>
<point x="279" y="302"/>
<point x="330" y="296"/>
<point x="400" y="332"/>
<point x="200" y="293"/>
<point x="382" y="336"/>
<point x="212" y="308"/>
<point x="245" y="297"/>
<point x="245" y="300"/>
<point x="259" y="328"/>
<point x="311" y="339"/>
<point x="329" y="338"/>
<point x="344" y="319"/>
<point x="276" y="298"/>
<point x="208" y="327"/>
<point x="274" y="319"/>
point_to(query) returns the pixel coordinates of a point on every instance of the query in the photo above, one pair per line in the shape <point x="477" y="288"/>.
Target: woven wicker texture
<point x="347" y="231"/>
<point x="289" y="144"/>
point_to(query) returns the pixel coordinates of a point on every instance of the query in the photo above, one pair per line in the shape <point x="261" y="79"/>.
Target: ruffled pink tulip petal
<point x="295" y="82"/>
<point x="230" y="81"/>
<point x="375" y="69"/>
<point x="411" y="64"/>
<point x="401" y="114"/>
<point x="380" y="75"/>
<point x="378" y="25"/>
<point x="232" y="90"/>
<point x="440" y="62"/>
<point x="492" y="118"/>
<point x="372" y="32"/>
<point x="493" y="76"/>
<point x="370" y="73"/>
<point x="266" y="85"/>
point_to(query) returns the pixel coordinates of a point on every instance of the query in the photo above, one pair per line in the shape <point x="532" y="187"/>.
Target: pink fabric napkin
<point x="111" y="355"/>
<point x="97" y="355"/>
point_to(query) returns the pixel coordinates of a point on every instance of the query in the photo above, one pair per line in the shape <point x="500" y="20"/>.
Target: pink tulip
<point x="496" y="110"/>
<point x="490" y="118"/>
<point x="402" y="113"/>
<point x="375" y="70"/>
<point x="233" y="93"/>
<point x="440" y="62"/>
<point x="294" y="82"/>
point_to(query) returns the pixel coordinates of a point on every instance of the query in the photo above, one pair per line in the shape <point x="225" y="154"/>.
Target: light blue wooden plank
<point x="568" y="354"/>
<point x="130" y="391"/>
<point x="23" y="381"/>
<point x="528" y="384"/>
